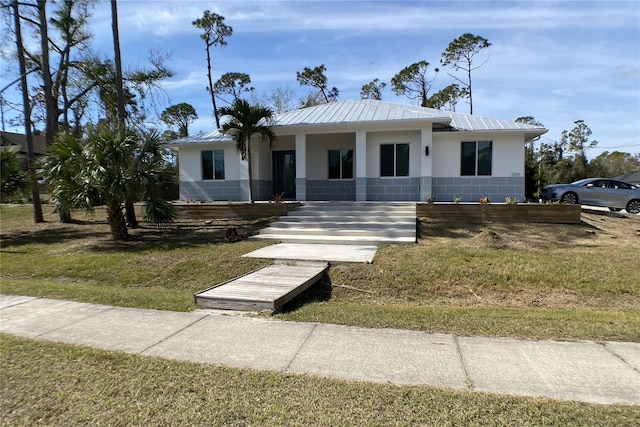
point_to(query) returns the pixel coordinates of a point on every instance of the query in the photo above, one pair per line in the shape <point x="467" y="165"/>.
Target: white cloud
<point x="162" y="18"/>
<point x="193" y="79"/>
<point x="167" y="18"/>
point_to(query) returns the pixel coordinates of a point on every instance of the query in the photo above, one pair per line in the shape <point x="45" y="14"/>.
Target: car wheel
<point x="569" y="198"/>
<point x="633" y="207"/>
<point x="615" y="209"/>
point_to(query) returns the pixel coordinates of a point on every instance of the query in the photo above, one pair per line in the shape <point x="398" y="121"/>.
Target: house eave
<point x="529" y="134"/>
<point x="370" y="125"/>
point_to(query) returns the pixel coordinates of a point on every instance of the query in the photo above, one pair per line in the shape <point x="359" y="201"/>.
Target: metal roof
<point x="372" y="111"/>
<point x="361" y="111"/>
<point x="202" y="138"/>
<point x="369" y="110"/>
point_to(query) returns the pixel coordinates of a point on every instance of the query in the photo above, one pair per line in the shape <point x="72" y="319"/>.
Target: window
<point x="340" y="164"/>
<point x="213" y="164"/>
<point x="394" y="160"/>
<point x="476" y="158"/>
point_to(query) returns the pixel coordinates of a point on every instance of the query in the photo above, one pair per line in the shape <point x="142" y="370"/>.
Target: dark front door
<point x="284" y="173"/>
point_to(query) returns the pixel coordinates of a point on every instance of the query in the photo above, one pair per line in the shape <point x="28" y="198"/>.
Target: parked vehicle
<point x="610" y="193"/>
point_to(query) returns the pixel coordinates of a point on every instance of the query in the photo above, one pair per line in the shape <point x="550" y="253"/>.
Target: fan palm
<point x="246" y="121"/>
<point x="12" y="177"/>
<point x="110" y="166"/>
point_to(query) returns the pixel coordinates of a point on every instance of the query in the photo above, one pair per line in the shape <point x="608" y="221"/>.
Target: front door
<point x="284" y="173"/>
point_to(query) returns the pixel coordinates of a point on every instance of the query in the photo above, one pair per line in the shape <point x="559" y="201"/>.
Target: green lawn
<point x="46" y="383"/>
<point x="517" y="280"/>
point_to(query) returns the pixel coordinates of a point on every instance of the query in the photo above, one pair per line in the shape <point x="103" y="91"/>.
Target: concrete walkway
<point x="583" y="371"/>
<point x="334" y="254"/>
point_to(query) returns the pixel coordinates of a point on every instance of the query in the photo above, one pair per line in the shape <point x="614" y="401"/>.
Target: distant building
<point x="631" y="178"/>
<point x="18" y="143"/>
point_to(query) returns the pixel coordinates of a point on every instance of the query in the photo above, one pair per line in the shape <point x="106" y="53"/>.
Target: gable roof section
<point x="19" y="141"/>
<point x="369" y="111"/>
<point x="361" y="111"/>
<point x="212" y="136"/>
<point x="372" y="111"/>
<point x="632" y="177"/>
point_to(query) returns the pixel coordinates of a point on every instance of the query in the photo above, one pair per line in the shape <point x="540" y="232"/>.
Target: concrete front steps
<point x="345" y="223"/>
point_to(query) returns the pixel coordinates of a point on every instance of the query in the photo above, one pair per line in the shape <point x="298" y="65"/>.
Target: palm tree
<point x="112" y="165"/>
<point x="246" y="121"/>
<point x="13" y="180"/>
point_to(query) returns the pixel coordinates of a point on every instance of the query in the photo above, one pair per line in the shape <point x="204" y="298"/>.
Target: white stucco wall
<point x="318" y="147"/>
<point x="508" y="153"/>
<point x="444" y="156"/>
<point x="284" y="143"/>
<point x="190" y="161"/>
<point x="261" y="159"/>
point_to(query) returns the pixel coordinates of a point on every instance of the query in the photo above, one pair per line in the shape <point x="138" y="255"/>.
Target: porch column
<point x="361" y="166"/>
<point x="301" y="167"/>
<point x="244" y="179"/>
<point x="426" y="154"/>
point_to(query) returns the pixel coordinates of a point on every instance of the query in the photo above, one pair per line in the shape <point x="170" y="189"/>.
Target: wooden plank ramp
<point x="268" y="288"/>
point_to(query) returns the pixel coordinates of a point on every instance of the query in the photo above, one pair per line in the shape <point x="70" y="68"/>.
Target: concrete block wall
<point x="325" y="189"/>
<point x="231" y="190"/>
<point x="414" y="189"/>
<point x="393" y="189"/>
<point x="262" y="189"/>
<point x="473" y="188"/>
<point x="206" y="191"/>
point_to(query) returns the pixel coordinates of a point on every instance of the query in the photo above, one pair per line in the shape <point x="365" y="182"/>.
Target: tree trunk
<point x="470" y="96"/>
<point x="51" y="105"/>
<point x="250" y="173"/>
<point x="118" y="64"/>
<point x="117" y="223"/>
<point x="50" y="101"/>
<point x="213" y="94"/>
<point x="64" y="215"/>
<point x="130" y="213"/>
<point x="33" y="181"/>
<point x="131" y="219"/>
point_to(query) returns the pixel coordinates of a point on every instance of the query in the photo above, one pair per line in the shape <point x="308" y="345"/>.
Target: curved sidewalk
<point x="582" y="371"/>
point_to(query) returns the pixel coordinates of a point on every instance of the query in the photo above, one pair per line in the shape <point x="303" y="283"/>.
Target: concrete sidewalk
<point x="582" y="371"/>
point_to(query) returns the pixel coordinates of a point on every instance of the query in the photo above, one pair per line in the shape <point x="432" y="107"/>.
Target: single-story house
<point x="364" y="150"/>
<point x="18" y="142"/>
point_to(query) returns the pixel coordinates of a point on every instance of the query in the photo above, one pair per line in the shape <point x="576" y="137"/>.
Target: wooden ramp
<point x="268" y="288"/>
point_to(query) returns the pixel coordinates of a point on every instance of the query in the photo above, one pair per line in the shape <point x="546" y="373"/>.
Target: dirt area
<point x="596" y="227"/>
<point x="91" y="229"/>
<point x="614" y="225"/>
<point x="533" y="265"/>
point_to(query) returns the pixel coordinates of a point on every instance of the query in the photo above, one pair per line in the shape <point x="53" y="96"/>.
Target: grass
<point x="106" y="388"/>
<point x="158" y="268"/>
<point x="519" y="280"/>
<point x="465" y="321"/>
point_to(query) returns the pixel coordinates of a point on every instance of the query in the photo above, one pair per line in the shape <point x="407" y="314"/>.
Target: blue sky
<point x="558" y="61"/>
